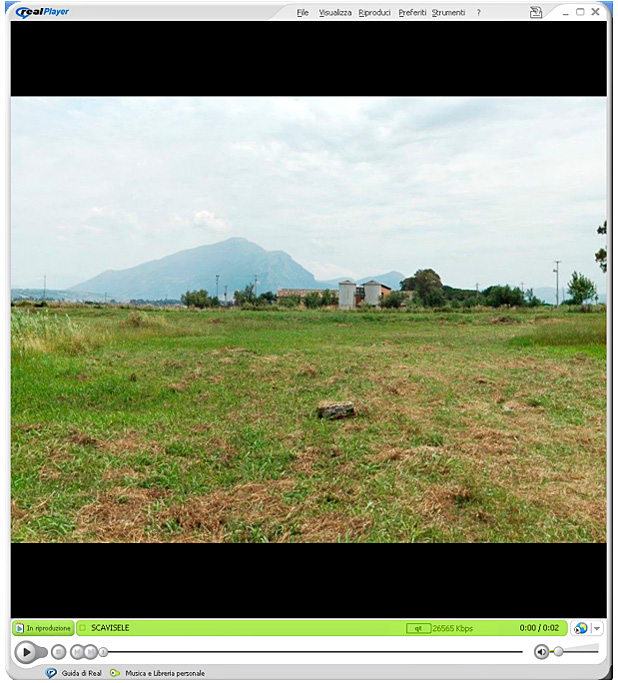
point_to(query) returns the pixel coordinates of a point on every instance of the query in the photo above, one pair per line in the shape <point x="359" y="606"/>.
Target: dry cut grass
<point x="182" y="427"/>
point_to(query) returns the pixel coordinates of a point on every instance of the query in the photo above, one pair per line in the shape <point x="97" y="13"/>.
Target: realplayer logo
<point x="25" y="12"/>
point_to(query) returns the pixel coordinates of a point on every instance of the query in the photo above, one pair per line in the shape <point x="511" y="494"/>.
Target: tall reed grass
<point x="41" y="331"/>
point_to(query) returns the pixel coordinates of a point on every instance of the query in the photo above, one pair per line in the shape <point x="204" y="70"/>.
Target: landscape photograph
<point x="308" y="320"/>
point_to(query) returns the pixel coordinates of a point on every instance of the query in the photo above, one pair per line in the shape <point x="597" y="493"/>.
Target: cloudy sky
<point x="482" y="190"/>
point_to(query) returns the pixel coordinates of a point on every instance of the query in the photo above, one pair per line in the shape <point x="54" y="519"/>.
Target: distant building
<point x="282" y="293"/>
<point x="287" y="292"/>
<point x="351" y="295"/>
<point x="347" y="294"/>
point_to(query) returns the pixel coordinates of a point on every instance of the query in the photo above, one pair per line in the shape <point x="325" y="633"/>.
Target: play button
<point x="27" y="652"/>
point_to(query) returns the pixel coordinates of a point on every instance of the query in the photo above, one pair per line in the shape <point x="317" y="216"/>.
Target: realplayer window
<point x="308" y="357"/>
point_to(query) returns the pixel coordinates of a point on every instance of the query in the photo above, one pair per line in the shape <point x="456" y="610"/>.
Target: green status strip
<point x="315" y="627"/>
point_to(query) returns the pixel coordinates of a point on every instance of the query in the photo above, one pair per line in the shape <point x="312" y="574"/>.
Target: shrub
<point x="312" y="300"/>
<point x="199" y="299"/>
<point x="289" y="301"/>
<point x="266" y="299"/>
<point x="393" y="300"/>
<point x="532" y="300"/>
<point x="328" y="298"/>
<point x="137" y="319"/>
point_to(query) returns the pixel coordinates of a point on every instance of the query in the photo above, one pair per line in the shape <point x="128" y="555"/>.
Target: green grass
<point x="182" y="426"/>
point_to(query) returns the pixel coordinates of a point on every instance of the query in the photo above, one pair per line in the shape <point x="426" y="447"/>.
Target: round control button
<point x="90" y="652"/>
<point x="541" y="652"/>
<point x="558" y="651"/>
<point x="103" y="651"/>
<point x="25" y="652"/>
<point x="58" y="651"/>
<point x="77" y="652"/>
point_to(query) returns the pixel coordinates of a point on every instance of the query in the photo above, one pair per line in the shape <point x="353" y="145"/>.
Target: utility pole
<point x="225" y="294"/>
<point x="255" y="286"/>
<point x="106" y="297"/>
<point x="217" y="286"/>
<point x="44" y="286"/>
<point x="556" y="270"/>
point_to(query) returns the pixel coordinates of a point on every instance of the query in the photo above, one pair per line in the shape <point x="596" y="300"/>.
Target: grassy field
<point x="187" y="426"/>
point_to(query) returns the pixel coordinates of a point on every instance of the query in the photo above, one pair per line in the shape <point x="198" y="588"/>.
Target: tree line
<point x="424" y="288"/>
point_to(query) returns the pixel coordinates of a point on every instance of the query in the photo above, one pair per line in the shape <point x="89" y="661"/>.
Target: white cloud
<point x="212" y="222"/>
<point x="480" y="189"/>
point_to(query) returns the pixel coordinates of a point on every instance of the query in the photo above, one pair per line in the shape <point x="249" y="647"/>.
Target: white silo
<point x="347" y="294"/>
<point x="373" y="290"/>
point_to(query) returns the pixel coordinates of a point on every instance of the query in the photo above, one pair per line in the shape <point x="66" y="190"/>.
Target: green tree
<point x="428" y="285"/>
<point x="581" y="288"/>
<point x="328" y="298"/>
<point x="601" y="256"/>
<point x="290" y="301"/>
<point x="197" y="299"/>
<point x="312" y="300"/>
<point x="531" y="299"/>
<point x="266" y="299"/>
<point x="393" y="300"/>
<point x="503" y="295"/>
<point x="245" y="296"/>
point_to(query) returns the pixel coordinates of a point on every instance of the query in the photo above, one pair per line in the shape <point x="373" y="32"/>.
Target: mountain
<point x="548" y="294"/>
<point x="237" y="261"/>
<point x="390" y="279"/>
<point x="54" y="295"/>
